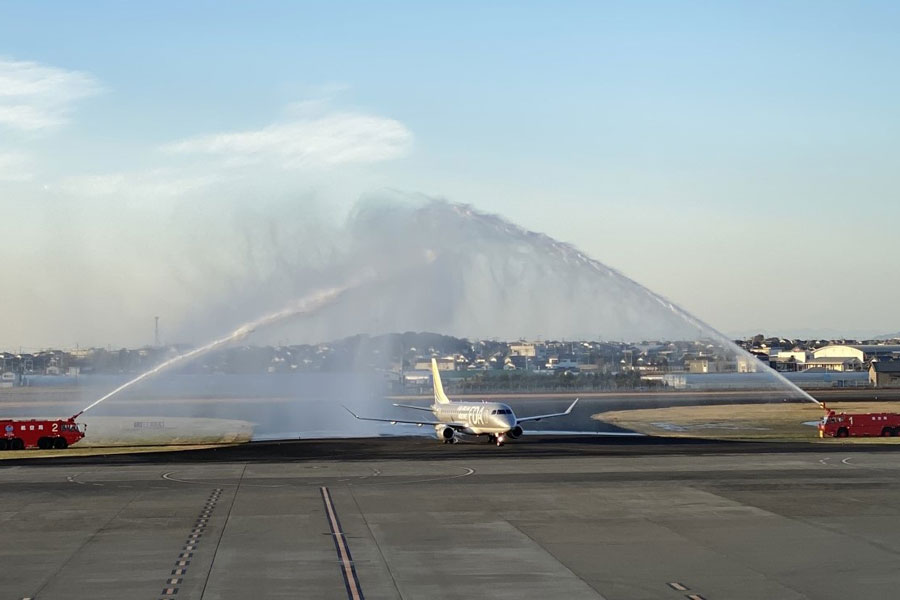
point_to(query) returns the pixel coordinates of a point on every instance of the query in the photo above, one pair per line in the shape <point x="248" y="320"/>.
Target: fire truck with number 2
<point x="22" y="434"/>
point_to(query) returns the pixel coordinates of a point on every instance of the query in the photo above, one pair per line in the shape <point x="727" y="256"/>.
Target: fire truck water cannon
<point x="45" y="434"/>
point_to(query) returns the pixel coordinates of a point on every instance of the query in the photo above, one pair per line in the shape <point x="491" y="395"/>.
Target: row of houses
<point x="399" y="353"/>
<point x="831" y="365"/>
<point x="835" y="357"/>
<point x="881" y="361"/>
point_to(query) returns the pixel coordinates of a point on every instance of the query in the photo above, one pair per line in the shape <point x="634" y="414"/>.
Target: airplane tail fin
<point x="439" y="396"/>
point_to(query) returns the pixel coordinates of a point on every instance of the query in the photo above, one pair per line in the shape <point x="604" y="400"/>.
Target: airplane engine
<point x="445" y="433"/>
<point x="515" y="433"/>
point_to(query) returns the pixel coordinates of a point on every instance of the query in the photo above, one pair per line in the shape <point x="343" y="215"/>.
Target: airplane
<point x="493" y="419"/>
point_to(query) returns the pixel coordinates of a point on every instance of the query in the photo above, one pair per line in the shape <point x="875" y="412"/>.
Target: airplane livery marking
<point x="473" y="415"/>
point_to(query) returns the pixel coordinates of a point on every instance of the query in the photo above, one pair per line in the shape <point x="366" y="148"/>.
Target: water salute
<point x="407" y="300"/>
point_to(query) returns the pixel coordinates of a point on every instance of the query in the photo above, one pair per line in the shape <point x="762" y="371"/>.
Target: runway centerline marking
<point x="348" y="569"/>
<point x="683" y="588"/>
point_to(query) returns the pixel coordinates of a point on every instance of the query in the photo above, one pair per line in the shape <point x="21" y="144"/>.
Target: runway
<point x="311" y="407"/>
<point x="546" y="517"/>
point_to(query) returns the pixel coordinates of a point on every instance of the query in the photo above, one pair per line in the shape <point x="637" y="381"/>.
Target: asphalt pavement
<point x="573" y="517"/>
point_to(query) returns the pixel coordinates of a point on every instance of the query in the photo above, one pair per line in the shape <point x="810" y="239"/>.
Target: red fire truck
<point x="19" y="434"/>
<point x="859" y="425"/>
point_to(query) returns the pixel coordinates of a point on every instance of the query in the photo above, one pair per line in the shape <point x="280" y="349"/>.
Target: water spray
<point x="572" y="255"/>
<point x="304" y="306"/>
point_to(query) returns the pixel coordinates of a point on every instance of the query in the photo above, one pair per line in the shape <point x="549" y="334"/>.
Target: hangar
<point x="865" y="353"/>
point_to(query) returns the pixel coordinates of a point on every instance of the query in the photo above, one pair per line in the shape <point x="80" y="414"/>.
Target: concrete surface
<point x="540" y="518"/>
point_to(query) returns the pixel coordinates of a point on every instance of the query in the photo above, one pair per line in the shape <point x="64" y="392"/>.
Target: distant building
<point x="705" y="364"/>
<point x="841" y="363"/>
<point x="799" y="356"/>
<point x="820" y="378"/>
<point x="770" y="351"/>
<point x="444" y="364"/>
<point x="519" y="362"/>
<point x="720" y="381"/>
<point x="785" y="364"/>
<point x="417" y="377"/>
<point x="885" y="374"/>
<point x="566" y="361"/>
<point x="523" y="349"/>
<point x="865" y="353"/>
<point x="747" y="365"/>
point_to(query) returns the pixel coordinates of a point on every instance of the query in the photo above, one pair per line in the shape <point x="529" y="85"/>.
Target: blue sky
<point x="739" y="158"/>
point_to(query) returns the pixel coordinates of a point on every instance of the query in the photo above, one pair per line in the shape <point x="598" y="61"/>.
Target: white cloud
<point x="36" y="97"/>
<point x="334" y="139"/>
<point x="15" y="166"/>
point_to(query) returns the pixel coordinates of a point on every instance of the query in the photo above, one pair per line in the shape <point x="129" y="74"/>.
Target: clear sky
<point x="738" y="158"/>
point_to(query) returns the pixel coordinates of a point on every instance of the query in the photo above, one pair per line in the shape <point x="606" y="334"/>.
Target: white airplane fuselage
<point x="479" y="418"/>
<point x="493" y="419"/>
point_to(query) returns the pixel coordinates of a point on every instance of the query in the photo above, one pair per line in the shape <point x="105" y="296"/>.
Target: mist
<point x="441" y="267"/>
<point x="402" y="262"/>
<point x="101" y="270"/>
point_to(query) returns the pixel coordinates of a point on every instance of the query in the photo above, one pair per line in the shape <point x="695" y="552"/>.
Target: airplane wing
<point x="395" y="421"/>
<point x="539" y="417"/>
<point x="428" y="408"/>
